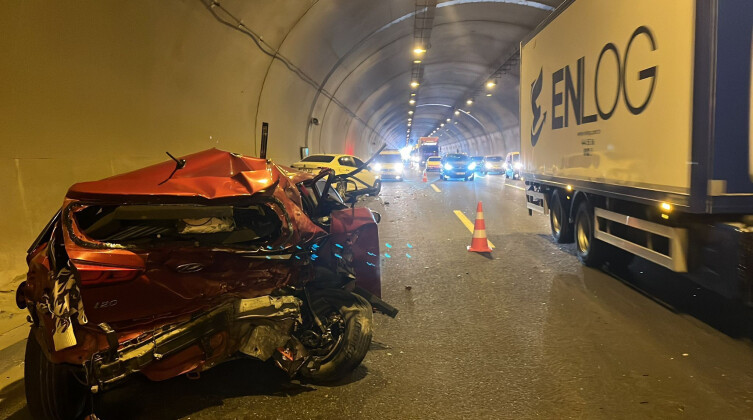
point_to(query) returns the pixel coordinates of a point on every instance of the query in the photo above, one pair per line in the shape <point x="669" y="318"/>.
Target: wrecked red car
<point x="177" y="267"/>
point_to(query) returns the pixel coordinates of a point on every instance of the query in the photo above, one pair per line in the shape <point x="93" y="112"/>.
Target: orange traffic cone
<point x="425" y="179"/>
<point x="479" y="243"/>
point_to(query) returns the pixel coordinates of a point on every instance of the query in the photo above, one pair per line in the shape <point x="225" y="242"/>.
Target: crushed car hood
<point x="208" y="175"/>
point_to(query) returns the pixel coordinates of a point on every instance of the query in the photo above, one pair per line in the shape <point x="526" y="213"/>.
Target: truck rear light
<point x="93" y="275"/>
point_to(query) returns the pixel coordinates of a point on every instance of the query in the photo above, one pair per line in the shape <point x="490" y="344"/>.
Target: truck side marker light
<point x="664" y="216"/>
<point x="569" y="188"/>
<point x="666" y="206"/>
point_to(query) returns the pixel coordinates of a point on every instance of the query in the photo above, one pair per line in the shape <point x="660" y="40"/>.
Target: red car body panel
<point x="135" y="290"/>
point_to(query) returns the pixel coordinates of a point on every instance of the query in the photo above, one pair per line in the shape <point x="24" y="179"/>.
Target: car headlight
<point x="399" y="167"/>
<point x="377" y="167"/>
<point x="488" y="165"/>
<point x="472" y="166"/>
<point x="447" y="167"/>
<point x="518" y="165"/>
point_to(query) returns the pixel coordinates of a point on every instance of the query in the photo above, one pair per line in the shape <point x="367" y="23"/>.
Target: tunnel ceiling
<point x="360" y="56"/>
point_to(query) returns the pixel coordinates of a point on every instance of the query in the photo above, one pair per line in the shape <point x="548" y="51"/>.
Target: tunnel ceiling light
<point x="457" y="112"/>
<point x="448" y="120"/>
<point x="469" y="102"/>
<point x="410" y="112"/>
<point x="412" y="101"/>
<point x="410" y="119"/>
<point x="488" y="94"/>
<point x="414" y="84"/>
<point x="490" y="84"/>
<point x="413" y="94"/>
<point x="416" y="61"/>
<point x="419" y="50"/>
<point x="441" y="125"/>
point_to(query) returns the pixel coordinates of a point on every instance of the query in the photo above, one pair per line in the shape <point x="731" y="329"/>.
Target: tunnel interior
<point x="95" y="89"/>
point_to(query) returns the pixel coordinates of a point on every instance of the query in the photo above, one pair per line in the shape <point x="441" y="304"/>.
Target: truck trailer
<point x="636" y="136"/>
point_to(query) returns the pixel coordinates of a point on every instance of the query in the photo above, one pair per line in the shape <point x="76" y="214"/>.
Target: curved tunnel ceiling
<point x="359" y="53"/>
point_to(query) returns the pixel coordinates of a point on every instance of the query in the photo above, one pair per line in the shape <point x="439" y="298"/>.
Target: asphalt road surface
<point x="525" y="333"/>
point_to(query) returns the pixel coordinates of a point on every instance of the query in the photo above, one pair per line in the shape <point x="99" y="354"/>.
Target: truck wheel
<point x="53" y="391"/>
<point x="562" y="230"/>
<point x="348" y="317"/>
<point x="591" y="251"/>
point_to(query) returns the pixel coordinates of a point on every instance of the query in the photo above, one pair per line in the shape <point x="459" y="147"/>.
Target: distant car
<point x="389" y="165"/>
<point x="494" y="164"/>
<point x="479" y="161"/>
<point x="433" y="164"/>
<point x="457" y="165"/>
<point x="513" y="165"/>
<point x="341" y="164"/>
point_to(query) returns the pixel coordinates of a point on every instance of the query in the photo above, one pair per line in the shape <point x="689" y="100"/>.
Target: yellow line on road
<point x="436" y="188"/>
<point x="469" y="225"/>
<point x="515" y="186"/>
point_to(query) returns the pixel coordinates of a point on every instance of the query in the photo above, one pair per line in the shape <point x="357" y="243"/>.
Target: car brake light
<point x="93" y="275"/>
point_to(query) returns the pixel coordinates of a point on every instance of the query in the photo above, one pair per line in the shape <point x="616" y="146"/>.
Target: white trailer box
<point x="636" y="136"/>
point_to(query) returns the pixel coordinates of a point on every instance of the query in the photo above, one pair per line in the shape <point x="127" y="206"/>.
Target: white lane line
<point x="436" y="188"/>
<point x="514" y="186"/>
<point x="469" y="225"/>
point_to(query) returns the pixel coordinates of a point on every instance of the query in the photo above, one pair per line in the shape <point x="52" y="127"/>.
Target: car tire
<point x="590" y="251"/>
<point x="562" y="230"/>
<point x="52" y="389"/>
<point x="355" y="332"/>
<point x="377" y="187"/>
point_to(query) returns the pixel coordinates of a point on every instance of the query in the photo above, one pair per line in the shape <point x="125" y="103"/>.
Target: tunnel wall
<point x="92" y="89"/>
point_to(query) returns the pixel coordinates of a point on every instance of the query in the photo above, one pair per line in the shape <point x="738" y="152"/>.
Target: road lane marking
<point x="515" y="186"/>
<point x="436" y="188"/>
<point x="469" y="225"/>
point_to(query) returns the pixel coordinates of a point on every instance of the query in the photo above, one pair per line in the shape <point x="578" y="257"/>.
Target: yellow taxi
<point x="341" y="164"/>
<point x="433" y="164"/>
<point x="494" y="165"/>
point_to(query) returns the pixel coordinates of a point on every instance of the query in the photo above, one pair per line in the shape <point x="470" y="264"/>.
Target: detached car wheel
<point x="53" y="391"/>
<point x="348" y="318"/>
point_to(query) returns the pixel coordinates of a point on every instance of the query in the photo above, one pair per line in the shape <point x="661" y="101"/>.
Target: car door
<point x="349" y="164"/>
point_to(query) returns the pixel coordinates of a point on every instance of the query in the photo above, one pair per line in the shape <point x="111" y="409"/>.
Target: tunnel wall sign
<point x="604" y="82"/>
